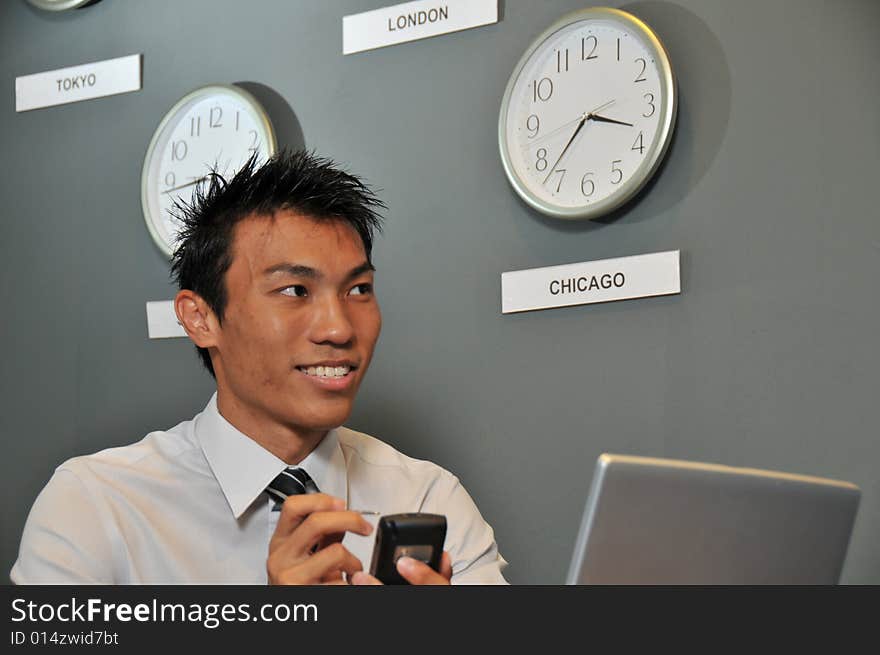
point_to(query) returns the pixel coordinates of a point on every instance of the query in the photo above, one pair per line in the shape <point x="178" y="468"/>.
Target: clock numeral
<point x="584" y="55"/>
<point x="254" y="143"/>
<point x="618" y="49"/>
<point x="639" y="144"/>
<point x="542" y="90"/>
<point x="639" y="77"/>
<point x="195" y="126"/>
<point x="585" y="180"/>
<point x="237" y="115"/>
<point x="219" y="113"/>
<point x="530" y="123"/>
<point x="650" y="98"/>
<point x="619" y="172"/>
<point x="170" y="179"/>
<point x="178" y="150"/>
<point x="562" y="172"/>
<point x="541" y="163"/>
<point x="559" y="60"/>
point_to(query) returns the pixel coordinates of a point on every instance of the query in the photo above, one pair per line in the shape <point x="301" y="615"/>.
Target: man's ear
<point x="197" y="318"/>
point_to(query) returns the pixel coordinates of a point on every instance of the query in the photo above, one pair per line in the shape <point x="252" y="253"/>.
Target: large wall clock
<point x="588" y="114"/>
<point x="216" y="127"/>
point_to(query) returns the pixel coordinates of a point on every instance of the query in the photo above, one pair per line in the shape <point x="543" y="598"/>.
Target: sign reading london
<point x="622" y="278"/>
<point x="411" y="21"/>
<point x="95" y="80"/>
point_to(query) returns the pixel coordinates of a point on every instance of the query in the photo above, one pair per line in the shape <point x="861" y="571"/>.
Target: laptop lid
<point x="664" y="521"/>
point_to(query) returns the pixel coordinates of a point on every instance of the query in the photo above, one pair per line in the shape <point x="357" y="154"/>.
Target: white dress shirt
<point x="188" y="506"/>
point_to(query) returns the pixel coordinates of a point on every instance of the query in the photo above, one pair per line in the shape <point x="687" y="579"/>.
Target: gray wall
<point x="768" y="358"/>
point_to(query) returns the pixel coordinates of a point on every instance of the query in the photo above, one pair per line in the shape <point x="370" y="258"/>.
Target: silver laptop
<point x="664" y="521"/>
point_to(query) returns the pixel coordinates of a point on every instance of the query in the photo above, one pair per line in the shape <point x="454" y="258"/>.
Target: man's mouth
<point x="329" y="371"/>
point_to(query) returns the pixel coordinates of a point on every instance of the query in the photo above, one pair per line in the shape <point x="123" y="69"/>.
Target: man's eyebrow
<point x="299" y="270"/>
<point x="366" y="267"/>
<point x="296" y="270"/>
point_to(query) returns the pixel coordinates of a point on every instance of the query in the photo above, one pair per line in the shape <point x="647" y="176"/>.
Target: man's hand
<point x="306" y="548"/>
<point x="414" y="571"/>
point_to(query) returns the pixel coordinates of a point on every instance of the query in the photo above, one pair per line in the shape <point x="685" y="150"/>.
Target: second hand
<point x="565" y="125"/>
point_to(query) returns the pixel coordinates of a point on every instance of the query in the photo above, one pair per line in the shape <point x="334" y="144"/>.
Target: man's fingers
<point x="296" y="508"/>
<point x="362" y="578"/>
<point x="309" y="522"/>
<point x="317" y="532"/>
<point x="333" y="538"/>
<point x="419" y="573"/>
<point x="333" y="577"/>
<point x="334" y="559"/>
<point x="325" y="566"/>
<point x="321" y="528"/>
<point x="446" y="565"/>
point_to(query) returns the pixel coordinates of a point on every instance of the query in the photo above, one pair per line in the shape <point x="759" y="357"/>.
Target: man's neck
<point x="288" y="443"/>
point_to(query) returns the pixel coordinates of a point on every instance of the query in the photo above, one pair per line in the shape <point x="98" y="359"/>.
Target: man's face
<point x="300" y="324"/>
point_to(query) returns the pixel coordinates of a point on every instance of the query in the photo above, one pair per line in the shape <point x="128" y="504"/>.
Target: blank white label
<point x="162" y="321"/>
<point x="95" y="80"/>
<point x="411" y="21"/>
<point x="623" y="278"/>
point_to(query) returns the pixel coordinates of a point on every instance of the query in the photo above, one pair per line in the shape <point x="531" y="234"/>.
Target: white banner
<point x="95" y="80"/>
<point x="411" y="21"/>
<point x="623" y="278"/>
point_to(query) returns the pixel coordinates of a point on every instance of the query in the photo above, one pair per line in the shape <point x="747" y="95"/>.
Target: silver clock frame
<point x="58" y="5"/>
<point x="666" y="121"/>
<point x="195" y="95"/>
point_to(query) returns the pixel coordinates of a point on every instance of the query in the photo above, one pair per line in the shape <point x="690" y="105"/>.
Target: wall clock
<point x="588" y="114"/>
<point x="218" y="126"/>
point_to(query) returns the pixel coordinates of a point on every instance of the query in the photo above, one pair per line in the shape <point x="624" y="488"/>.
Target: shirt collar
<point x="243" y="468"/>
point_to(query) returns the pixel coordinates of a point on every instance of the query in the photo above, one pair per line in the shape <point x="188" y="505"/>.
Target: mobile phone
<point x="419" y="536"/>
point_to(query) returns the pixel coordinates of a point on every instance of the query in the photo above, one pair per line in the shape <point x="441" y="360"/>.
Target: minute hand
<point x="183" y="186"/>
<point x="570" y="141"/>
<point x="602" y="119"/>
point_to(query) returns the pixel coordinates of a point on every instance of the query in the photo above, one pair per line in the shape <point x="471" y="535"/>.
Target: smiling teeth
<point x="327" y="371"/>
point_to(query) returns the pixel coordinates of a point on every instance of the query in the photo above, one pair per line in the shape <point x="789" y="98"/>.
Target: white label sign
<point x="623" y="278"/>
<point x="95" y="80"/>
<point x="162" y="321"/>
<point x="411" y="21"/>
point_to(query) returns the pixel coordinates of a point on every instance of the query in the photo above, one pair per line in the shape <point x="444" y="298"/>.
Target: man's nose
<point x="331" y="323"/>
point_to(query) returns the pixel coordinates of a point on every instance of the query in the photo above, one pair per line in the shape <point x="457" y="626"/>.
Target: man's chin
<point x="314" y="409"/>
<point x="321" y="421"/>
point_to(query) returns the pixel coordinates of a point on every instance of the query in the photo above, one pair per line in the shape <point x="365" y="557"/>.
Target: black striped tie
<point x="290" y="482"/>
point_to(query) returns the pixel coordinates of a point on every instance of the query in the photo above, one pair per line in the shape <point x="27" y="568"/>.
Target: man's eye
<point x="296" y="290"/>
<point x="361" y="289"/>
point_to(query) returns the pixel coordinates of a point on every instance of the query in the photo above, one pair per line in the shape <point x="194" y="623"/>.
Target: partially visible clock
<point x="215" y="127"/>
<point x="60" y="5"/>
<point x="588" y="114"/>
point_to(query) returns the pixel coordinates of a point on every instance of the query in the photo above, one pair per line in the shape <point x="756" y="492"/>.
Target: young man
<point x="276" y="292"/>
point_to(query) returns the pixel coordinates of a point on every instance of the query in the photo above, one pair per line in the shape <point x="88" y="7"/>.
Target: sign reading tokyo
<point x="75" y="83"/>
<point x="623" y="278"/>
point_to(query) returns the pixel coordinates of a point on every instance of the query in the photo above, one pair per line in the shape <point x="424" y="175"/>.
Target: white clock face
<point x="588" y="115"/>
<point x="214" y="127"/>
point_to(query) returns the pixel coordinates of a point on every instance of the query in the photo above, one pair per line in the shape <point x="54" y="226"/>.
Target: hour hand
<point x="603" y="119"/>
